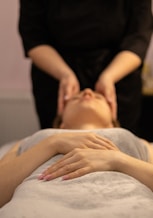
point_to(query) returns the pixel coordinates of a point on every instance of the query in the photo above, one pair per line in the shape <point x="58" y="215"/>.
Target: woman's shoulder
<point x="114" y="132"/>
<point x="127" y="142"/>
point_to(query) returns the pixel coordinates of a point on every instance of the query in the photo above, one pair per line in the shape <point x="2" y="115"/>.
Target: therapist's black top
<point x="87" y="24"/>
<point x="88" y="34"/>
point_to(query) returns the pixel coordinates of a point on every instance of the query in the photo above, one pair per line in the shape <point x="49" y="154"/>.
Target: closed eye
<point x="74" y="98"/>
<point x="99" y="96"/>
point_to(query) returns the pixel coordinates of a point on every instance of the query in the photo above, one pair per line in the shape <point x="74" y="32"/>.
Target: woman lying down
<point x="85" y="169"/>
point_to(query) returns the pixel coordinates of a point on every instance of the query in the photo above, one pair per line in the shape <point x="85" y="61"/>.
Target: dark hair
<point x="116" y="123"/>
<point x="58" y="120"/>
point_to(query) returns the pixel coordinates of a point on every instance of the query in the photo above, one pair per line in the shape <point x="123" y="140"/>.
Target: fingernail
<point x="65" y="177"/>
<point x="66" y="97"/>
<point x="41" y="176"/>
<point x="47" y="178"/>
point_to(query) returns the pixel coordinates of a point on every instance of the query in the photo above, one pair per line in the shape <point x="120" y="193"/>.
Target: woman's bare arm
<point x="11" y="154"/>
<point x="15" y="170"/>
<point x="123" y="64"/>
<point x="49" y="60"/>
<point x="140" y="170"/>
<point x="83" y="161"/>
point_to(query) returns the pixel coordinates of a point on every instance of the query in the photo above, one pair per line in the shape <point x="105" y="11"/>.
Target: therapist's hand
<point x="106" y="86"/>
<point x="68" y="86"/>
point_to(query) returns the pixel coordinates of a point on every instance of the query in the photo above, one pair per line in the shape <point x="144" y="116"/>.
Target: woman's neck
<point x="88" y="126"/>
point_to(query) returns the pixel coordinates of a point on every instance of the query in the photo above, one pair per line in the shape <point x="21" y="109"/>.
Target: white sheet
<point x="96" y="195"/>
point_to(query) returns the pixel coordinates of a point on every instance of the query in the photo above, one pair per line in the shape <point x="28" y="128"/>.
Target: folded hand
<point x="87" y="153"/>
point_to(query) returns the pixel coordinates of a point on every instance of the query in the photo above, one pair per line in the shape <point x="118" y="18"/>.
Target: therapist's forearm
<point x="13" y="172"/>
<point x="123" y="64"/>
<point x="49" y="60"/>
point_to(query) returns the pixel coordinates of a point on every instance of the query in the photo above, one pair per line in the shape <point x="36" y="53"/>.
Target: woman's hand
<point x="66" y="142"/>
<point x="85" y="153"/>
<point x="68" y="86"/>
<point x="106" y="87"/>
<point x="80" y="162"/>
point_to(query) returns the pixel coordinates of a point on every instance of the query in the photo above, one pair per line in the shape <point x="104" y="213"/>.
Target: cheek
<point x="69" y="111"/>
<point x="105" y="109"/>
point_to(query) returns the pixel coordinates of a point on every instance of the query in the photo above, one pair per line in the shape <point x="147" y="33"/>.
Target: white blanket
<point x="96" y="195"/>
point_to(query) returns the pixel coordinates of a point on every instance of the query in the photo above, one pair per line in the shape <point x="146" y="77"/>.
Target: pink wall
<point x="14" y="68"/>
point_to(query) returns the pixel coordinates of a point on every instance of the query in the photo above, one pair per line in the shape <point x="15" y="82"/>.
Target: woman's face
<point x="87" y="107"/>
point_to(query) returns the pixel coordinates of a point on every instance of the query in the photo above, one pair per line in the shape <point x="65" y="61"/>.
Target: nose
<point x="88" y="91"/>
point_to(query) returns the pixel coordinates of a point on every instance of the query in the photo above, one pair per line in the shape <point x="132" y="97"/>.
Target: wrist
<point x="117" y="161"/>
<point x="121" y="162"/>
<point x="51" y="144"/>
<point x="66" y="75"/>
<point x="107" y="76"/>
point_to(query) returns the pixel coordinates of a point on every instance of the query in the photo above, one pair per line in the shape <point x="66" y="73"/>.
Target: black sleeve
<point x="139" y="29"/>
<point x="32" y="23"/>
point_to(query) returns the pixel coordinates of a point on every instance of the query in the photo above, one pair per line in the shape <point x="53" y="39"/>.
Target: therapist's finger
<point x="113" y="106"/>
<point x="110" y="95"/>
<point x="60" y="101"/>
<point x="68" y="92"/>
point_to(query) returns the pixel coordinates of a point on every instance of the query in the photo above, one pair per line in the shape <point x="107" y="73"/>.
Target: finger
<point x="111" y="99"/>
<point x="76" y="89"/>
<point x="114" y="110"/>
<point x="105" y="143"/>
<point x="97" y="144"/>
<point x="77" y="173"/>
<point x="69" y="158"/>
<point x="66" y="167"/>
<point x="57" y="165"/>
<point x="68" y="92"/>
<point x="105" y="146"/>
<point x="93" y="145"/>
<point x="60" y="101"/>
<point x="96" y="141"/>
<point x="99" y="90"/>
<point x="65" y="170"/>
